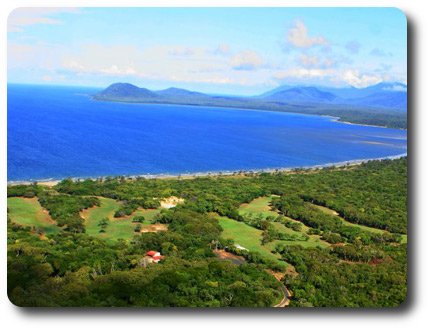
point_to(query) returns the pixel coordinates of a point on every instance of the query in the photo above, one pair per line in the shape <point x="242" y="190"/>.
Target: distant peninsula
<point x="384" y="104"/>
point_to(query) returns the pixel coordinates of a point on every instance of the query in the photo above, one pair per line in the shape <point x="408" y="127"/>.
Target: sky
<point x="240" y="51"/>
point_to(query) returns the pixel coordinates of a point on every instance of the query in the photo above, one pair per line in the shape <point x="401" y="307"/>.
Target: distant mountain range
<point x="391" y="96"/>
<point x="382" y="95"/>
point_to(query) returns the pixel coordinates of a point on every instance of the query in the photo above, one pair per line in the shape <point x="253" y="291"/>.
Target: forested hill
<point x="379" y="105"/>
<point x="357" y="214"/>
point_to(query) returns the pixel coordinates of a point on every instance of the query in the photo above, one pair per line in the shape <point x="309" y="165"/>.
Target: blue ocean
<point x="60" y="132"/>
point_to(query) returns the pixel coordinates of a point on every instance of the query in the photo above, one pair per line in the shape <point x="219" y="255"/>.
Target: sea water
<point x="58" y="132"/>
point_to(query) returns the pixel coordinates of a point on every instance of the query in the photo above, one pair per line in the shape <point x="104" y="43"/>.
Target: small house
<point x="154" y="256"/>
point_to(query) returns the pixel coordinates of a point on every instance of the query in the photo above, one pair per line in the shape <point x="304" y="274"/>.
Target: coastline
<point x="337" y="119"/>
<point x="215" y="173"/>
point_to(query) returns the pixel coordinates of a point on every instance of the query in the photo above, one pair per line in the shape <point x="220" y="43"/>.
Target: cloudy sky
<point x="218" y="50"/>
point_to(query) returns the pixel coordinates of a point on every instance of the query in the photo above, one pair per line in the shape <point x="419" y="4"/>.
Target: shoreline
<point x="214" y="173"/>
<point x="337" y="119"/>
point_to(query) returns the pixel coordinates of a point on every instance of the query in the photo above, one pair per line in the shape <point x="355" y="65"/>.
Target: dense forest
<point x="358" y="268"/>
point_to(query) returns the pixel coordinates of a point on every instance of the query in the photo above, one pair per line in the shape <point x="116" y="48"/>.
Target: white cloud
<point x="246" y="60"/>
<point x="336" y="76"/>
<point x="354" y="78"/>
<point x="73" y="65"/>
<point x="22" y="17"/>
<point x="298" y="36"/>
<point x="114" y="70"/>
<point x="303" y="73"/>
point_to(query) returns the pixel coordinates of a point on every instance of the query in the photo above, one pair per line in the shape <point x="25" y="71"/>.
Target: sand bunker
<point x="154" y="228"/>
<point x="170" y="202"/>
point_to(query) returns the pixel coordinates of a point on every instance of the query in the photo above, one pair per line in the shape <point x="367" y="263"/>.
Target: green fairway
<point x="246" y="236"/>
<point x="262" y="206"/>
<point x="118" y="228"/>
<point x="28" y="212"/>
<point x="258" y="205"/>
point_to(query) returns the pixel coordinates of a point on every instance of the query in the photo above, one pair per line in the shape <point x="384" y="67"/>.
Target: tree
<point x="138" y="218"/>
<point x="103" y="223"/>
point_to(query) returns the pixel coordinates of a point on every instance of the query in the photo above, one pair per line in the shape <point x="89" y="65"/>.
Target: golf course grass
<point x="259" y="205"/>
<point x="262" y="206"/>
<point x="28" y="212"/>
<point x="118" y="228"/>
<point x="246" y="236"/>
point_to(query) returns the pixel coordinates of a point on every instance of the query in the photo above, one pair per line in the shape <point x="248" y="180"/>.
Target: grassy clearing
<point x="246" y="236"/>
<point x="259" y="205"/>
<point x="118" y="228"/>
<point x="28" y="212"/>
<point x="262" y="206"/>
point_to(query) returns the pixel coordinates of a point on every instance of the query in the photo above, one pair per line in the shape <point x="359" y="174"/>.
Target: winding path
<point x="237" y="260"/>
<point x="287" y="295"/>
<point x="286" y="300"/>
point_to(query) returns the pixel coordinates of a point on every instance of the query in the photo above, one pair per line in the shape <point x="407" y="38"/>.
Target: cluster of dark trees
<point x="350" y="276"/>
<point x="74" y="269"/>
<point x="373" y="194"/>
<point x="334" y="231"/>
<point x="27" y="191"/>
<point x="388" y="118"/>
<point x="296" y="226"/>
<point x="64" y="209"/>
<point x="271" y="234"/>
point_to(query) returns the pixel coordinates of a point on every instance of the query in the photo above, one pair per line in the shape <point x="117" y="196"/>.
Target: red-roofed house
<point x="154" y="256"/>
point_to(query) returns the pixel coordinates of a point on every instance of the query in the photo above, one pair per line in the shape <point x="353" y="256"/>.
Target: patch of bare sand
<point x="172" y="201"/>
<point x="154" y="228"/>
<point x="224" y="255"/>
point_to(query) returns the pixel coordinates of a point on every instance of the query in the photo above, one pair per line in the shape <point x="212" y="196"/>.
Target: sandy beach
<point x="230" y="173"/>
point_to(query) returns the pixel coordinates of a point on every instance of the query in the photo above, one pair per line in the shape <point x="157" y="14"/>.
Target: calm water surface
<point x="59" y="132"/>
